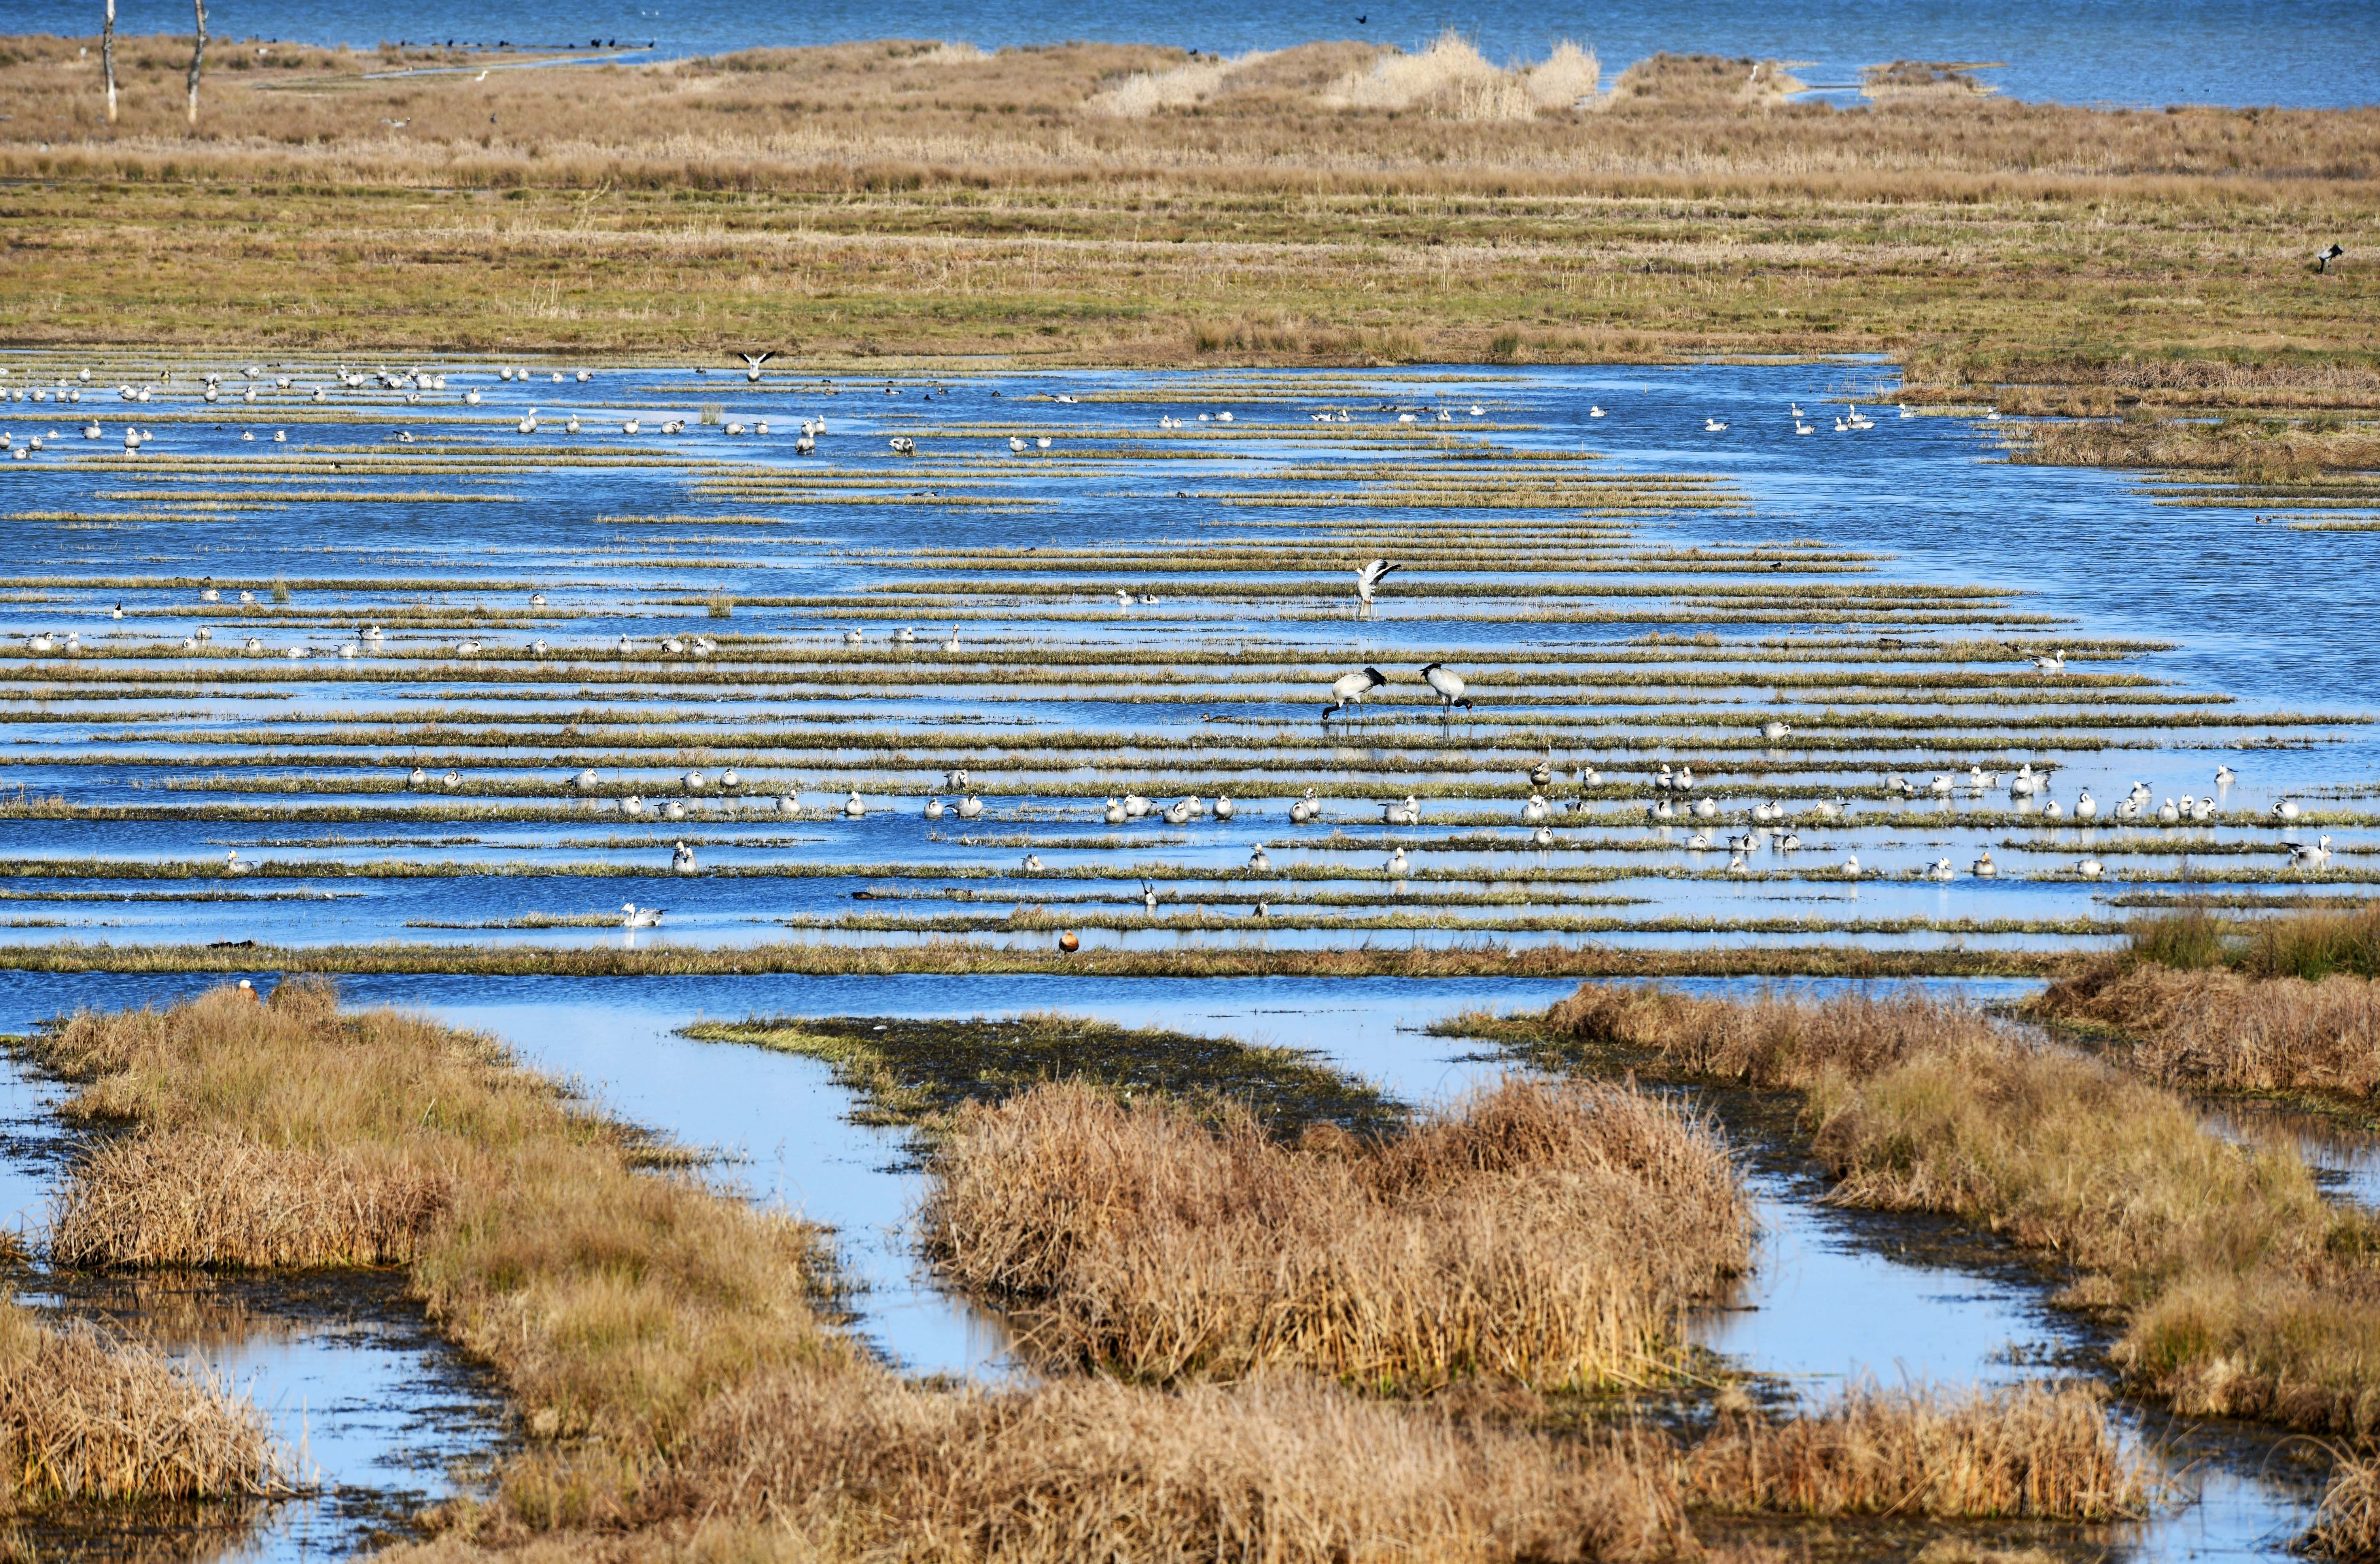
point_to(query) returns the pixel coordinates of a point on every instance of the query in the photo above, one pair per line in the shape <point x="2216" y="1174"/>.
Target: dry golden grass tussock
<point x="1453" y="80"/>
<point x="192" y="1198"/>
<point x="1278" y="1469"/>
<point x="2064" y="1154"/>
<point x="84" y="1417"/>
<point x="2029" y="1451"/>
<point x="611" y="1298"/>
<point x="1146" y="91"/>
<point x="2347" y="1526"/>
<point x="1548" y="1235"/>
<point x="2226" y="1030"/>
<point x="1772" y="1040"/>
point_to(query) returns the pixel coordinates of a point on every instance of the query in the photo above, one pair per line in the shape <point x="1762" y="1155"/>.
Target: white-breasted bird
<point x="1349" y="689"/>
<point x="635" y="916"/>
<point x="681" y="857"/>
<point x="1368" y="579"/>
<point x="854" y="807"/>
<point x="1448" y="684"/>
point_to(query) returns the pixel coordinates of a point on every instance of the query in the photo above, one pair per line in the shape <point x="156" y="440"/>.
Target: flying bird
<point x="752" y="362"/>
<point x="2324" y="257"/>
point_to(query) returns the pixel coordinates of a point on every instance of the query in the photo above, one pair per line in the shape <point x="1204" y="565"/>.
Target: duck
<point x="453" y="779"/>
<point x="1714" y="426"/>
<point x="2303" y="856"/>
<point x="905" y="637"/>
<point x="537" y="599"/>
<point x="1542" y="773"/>
<point x="1943" y="871"/>
<point x="970" y="807"/>
<point x="2224" y="776"/>
<point x="1705" y="809"/>
<point x="1983" y="867"/>
<point x="852" y="637"/>
<point x="2085" y="807"/>
<point x="635" y="916"/>
<point x="2287" y="809"/>
<point x="1180" y="812"/>
<point x="1774" y="730"/>
<point x="952" y="646"/>
<point x="586" y="779"/>
<point x="681" y="858"/>
<point x="1301" y="811"/>
<point x="1534" y="809"/>
<point x="2024" y="783"/>
<point x="854" y="807"/>
<point x="1735" y="865"/>
<point x="417" y="778"/>
<point x="694" y="782"/>
<point x="1223" y="806"/>
<point x="1851" y="866"/>
<point x="232" y="866"/>
<point x="1405" y="813"/>
<point x="1114" y="814"/>
<point x="1148" y="898"/>
<point x="2053" y="810"/>
<point x="1698" y="841"/>
<point x="934" y="810"/>
<point x="1135" y="807"/>
<point x="2053" y="664"/>
<point x="1594" y="412"/>
<point x="729" y="779"/>
<point x="1398" y="867"/>
<point x="1259" y="861"/>
<point x="2089" y="869"/>
<point x="1032" y="863"/>
<point x="790" y="803"/>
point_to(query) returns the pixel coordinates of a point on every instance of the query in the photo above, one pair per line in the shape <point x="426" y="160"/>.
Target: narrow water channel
<point x="389" y="1415"/>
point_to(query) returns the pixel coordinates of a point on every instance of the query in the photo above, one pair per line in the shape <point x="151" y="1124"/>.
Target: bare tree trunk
<point x="107" y="58"/>
<point x="198" y="57"/>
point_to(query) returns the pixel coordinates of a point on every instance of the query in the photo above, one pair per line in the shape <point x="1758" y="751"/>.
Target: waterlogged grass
<point x="919" y="1073"/>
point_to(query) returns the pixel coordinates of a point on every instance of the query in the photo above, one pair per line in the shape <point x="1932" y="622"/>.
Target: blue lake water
<point x="2318" y="54"/>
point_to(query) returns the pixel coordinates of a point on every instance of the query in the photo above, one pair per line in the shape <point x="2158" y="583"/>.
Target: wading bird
<point x="1448" y="684"/>
<point x="1349" y="689"/>
<point x="2323" y="258"/>
<point x="1368" y="582"/>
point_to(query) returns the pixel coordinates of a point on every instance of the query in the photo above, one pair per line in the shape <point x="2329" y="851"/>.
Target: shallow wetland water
<point x="1623" y="593"/>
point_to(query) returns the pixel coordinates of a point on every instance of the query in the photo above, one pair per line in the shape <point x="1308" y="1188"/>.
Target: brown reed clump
<point x="2243" y="1292"/>
<point x="2346" y="1524"/>
<point x="1543" y="1234"/>
<point x="1283" y="1469"/>
<point x="2227" y="1030"/>
<point x="1772" y="1040"/>
<point x="2069" y="1155"/>
<point x="2029" y="1451"/>
<point x="196" y="1198"/>
<point x="83" y="1417"/>
<point x="611" y="1299"/>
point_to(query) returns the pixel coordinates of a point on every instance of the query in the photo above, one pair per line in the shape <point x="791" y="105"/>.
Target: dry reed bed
<point x="2347" y="1525"/>
<point x="682" y="1394"/>
<point x="2025" y="1451"/>
<point x="2227" y="1030"/>
<point x="84" y="1417"/>
<point x="1551" y="1236"/>
<point x="2242" y="1291"/>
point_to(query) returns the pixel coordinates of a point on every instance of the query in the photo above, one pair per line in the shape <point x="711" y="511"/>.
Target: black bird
<point x="1361" y="20"/>
<point x="2324" y="257"/>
